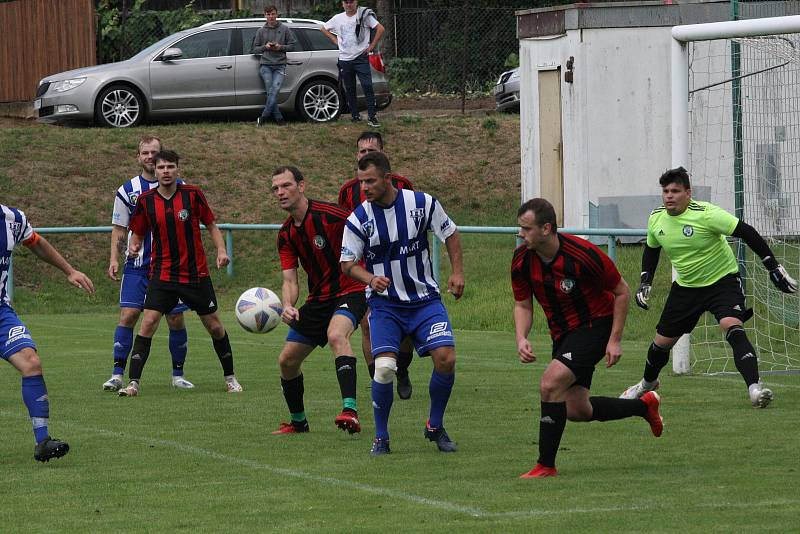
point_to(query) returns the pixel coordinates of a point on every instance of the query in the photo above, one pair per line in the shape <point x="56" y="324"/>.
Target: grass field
<point x="204" y="461"/>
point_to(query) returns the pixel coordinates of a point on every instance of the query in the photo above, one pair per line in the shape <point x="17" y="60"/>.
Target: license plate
<point x="37" y="104"/>
<point x="499" y="88"/>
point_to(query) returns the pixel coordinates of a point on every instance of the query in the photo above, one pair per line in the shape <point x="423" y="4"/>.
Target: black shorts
<point x="685" y="305"/>
<point x="312" y="328"/>
<point x="581" y="349"/>
<point x="199" y="296"/>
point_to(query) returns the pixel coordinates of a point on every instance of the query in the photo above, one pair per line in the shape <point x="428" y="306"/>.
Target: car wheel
<point x="119" y="106"/>
<point x="320" y="101"/>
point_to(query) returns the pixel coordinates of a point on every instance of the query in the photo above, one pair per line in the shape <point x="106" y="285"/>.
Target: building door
<point x="550" y="144"/>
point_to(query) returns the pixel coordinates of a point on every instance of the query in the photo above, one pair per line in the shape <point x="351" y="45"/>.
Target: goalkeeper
<point x="693" y="235"/>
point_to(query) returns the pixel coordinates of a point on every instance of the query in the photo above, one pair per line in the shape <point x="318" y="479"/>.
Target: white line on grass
<point x="416" y="499"/>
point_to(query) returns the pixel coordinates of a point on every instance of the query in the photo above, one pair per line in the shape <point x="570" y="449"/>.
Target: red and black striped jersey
<point x="574" y="289"/>
<point x="177" y="253"/>
<point x="317" y="244"/>
<point x="350" y="195"/>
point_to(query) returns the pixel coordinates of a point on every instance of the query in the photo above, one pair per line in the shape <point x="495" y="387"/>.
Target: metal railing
<point x="611" y="233"/>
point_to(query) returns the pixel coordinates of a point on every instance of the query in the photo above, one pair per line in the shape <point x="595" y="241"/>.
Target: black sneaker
<point x="403" y="384"/>
<point x="261" y="121"/>
<point x="50" y="448"/>
<point x="379" y="447"/>
<point x="356" y="119"/>
<point x="373" y="122"/>
<point x="440" y="437"/>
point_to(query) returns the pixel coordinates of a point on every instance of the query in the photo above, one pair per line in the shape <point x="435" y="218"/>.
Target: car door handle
<point x="294" y="62"/>
<point x="224" y="67"/>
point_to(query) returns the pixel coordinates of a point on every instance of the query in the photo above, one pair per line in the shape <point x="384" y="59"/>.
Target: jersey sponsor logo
<point x="411" y="247"/>
<point x="567" y="285"/>
<point x="183" y="214"/>
<point x="368" y="228"/>
<point x="16" y="333"/>
<point x="688" y="230"/>
<point x="14" y="226"/>
<point x="445" y="225"/>
<point x="319" y="241"/>
<point x="439" y="330"/>
<point x="133" y="198"/>
<point x="417" y="215"/>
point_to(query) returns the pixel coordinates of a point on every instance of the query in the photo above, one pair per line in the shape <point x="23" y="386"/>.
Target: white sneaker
<point x="760" y="396"/>
<point x="114" y="383"/>
<point x="232" y="385"/>
<point x="637" y="390"/>
<point x="181" y="383"/>
<point x="131" y="391"/>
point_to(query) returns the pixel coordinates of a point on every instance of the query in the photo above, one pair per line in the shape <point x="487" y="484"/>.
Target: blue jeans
<point x="347" y="75"/>
<point x="272" y="75"/>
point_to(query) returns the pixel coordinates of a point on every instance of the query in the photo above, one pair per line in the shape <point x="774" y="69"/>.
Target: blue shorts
<point x="14" y="334"/>
<point x="133" y="289"/>
<point x="427" y="323"/>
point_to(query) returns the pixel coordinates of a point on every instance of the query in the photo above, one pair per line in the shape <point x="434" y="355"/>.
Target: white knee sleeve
<point x="385" y="369"/>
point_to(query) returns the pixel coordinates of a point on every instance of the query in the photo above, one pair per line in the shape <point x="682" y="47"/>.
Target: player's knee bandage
<point x="385" y="369"/>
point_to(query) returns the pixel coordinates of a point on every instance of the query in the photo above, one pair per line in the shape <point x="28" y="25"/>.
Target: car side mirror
<point x="171" y="53"/>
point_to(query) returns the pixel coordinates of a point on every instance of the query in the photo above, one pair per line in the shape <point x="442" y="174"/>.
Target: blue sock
<point x="177" y="347"/>
<point x="123" y="341"/>
<point x="382" y="398"/>
<point x="439" y="389"/>
<point x="34" y="395"/>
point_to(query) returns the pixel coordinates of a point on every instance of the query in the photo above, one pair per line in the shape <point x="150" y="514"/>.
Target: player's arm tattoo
<point x="122" y="245"/>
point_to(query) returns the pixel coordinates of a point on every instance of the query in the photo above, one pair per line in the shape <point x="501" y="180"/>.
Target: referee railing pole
<point x="229" y="250"/>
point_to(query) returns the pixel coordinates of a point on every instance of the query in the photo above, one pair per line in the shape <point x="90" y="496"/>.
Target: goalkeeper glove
<point x="643" y="294"/>
<point x="780" y="278"/>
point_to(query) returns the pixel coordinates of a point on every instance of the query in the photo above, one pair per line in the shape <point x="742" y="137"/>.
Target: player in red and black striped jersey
<point x="586" y="302"/>
<point x="350" y="196"/>
<point x="172" y="212"/>
<point x="312" y="238"/>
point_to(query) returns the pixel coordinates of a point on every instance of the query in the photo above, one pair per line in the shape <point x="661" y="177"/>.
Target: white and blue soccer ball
<point x="258" y="310"/>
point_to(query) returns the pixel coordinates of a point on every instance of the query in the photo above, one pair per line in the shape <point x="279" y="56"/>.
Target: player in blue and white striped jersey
<point x="16" y="344"/>
<point x="390" y="231"/>
<point x="136" y="272"/>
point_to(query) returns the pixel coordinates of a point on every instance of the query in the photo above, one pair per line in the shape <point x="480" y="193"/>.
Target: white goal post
<point x="682" y="36"/>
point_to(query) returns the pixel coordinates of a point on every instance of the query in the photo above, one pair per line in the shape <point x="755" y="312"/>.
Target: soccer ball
<point x="258" y="310"/>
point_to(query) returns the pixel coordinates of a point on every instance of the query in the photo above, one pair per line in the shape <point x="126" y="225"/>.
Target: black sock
<point x="551" y="428"/>
<point x="611" y="409"/>
<point x="139" y="354"/>
<point x="371" y="368"/>
<point x="293" y="393"/>
<point x="346" y="375"/>
<point x="223" y="349"/>
<point x="403" y="361"/>
<point x="657" y="358"/>
<point x="744" y="355"/>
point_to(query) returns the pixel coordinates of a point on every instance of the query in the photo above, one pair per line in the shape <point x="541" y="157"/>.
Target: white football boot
<point x="181" y="383"/>
<point x="760" y="397"/>
<point x="115" y="383"/>
<point x="637" y="390"/>
<point x="232" y="385"/>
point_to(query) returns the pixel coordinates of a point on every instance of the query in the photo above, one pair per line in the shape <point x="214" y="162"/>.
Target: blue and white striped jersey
<point x="15" y="230"/>
<point x="124" y="204"/>
<point x="394" y="243"/>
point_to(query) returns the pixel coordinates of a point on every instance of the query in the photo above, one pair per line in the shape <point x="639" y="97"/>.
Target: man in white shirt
<point x="356" y="32"/>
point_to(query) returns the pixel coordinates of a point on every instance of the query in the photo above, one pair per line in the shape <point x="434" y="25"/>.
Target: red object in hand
<point x="376" y="60"/>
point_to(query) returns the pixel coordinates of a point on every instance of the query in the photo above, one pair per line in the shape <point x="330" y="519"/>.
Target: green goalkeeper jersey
<point x="695" y="242"/>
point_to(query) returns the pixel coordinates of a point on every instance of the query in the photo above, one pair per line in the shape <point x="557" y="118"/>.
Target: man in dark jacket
<point x="272" y="41"/>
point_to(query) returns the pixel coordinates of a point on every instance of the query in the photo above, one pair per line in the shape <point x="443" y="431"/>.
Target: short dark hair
<point x="271" y="8"/>
<point x="675" y="176"/>
<point x="377" y="160"/>
<point x="543" y="211"/>
<point x="166" y="155"/>
<point x="369" y="136"/>
<point x="296" y="174"/>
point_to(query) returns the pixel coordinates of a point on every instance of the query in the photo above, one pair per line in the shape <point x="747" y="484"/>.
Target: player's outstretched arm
<point x="650" y="257"/>
<point x="118" y="247"/>
<point x="455" y="284"/>
<point x="777" y="273"/>
<point x="290" y="292"/>
<point x="622" y="297"/>
<point x="44" y="250"/>
<point x="523" y="321"/>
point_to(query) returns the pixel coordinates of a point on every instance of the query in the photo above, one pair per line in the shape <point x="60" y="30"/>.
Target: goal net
<point x="744" y="145"/>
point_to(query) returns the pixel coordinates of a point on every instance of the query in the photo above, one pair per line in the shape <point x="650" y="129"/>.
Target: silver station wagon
<point x="205" y="70"/>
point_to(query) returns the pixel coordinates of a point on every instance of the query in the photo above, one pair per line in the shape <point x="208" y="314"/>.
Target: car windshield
<point x="155" y="46"/>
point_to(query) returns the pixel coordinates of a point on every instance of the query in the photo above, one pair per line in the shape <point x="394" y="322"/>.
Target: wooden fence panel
<point x="41" y="37"/>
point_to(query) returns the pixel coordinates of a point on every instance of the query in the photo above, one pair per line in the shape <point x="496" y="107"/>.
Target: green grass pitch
<point x="204" y="460"/>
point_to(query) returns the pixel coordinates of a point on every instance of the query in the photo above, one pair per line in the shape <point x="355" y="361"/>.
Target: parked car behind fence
<point x="204" y="70"/>
<point x="506" y="91"/>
